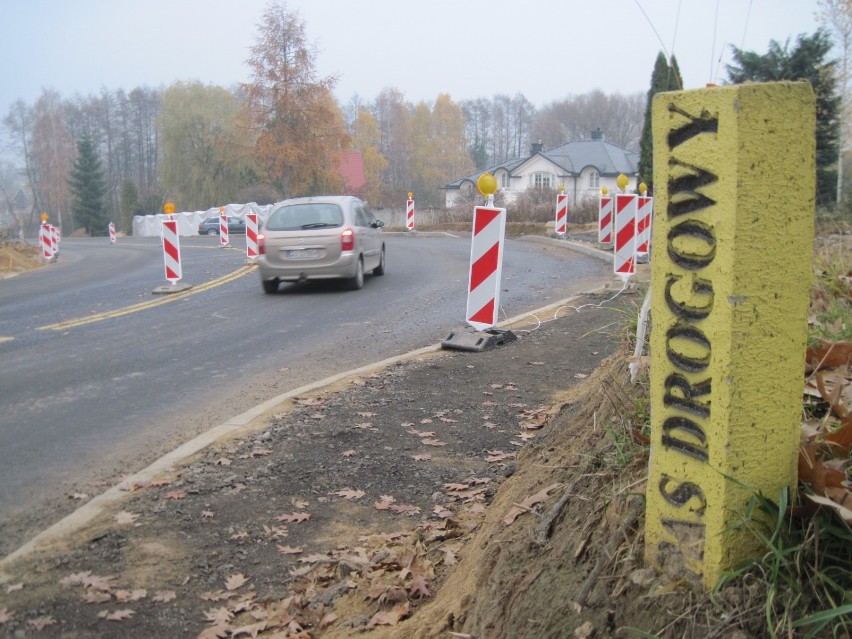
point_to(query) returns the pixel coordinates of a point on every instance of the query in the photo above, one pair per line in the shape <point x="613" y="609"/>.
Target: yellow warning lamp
<point x="622" y="181"/>
<point x="410" y="195"/>
<point x="562" y="188"/>
<point x="604" y="190"/>
<point x="643" y="188"/>
<point x="43" y="218"/>
<point x="486" y="184"/>
<point x="169" y="208"/>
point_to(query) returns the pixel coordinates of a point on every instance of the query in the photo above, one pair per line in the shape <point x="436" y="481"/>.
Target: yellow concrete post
<point x="734" y="183"/>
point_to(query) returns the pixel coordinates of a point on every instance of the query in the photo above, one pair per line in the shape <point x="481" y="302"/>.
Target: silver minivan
<point x="323" y="237"/>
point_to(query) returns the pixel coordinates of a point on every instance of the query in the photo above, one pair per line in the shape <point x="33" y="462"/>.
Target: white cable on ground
<point x="576" y="308"/>
<point x="641" y="331"/>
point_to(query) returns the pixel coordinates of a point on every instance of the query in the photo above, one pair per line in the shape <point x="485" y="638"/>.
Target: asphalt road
<point x="98" y="377"/>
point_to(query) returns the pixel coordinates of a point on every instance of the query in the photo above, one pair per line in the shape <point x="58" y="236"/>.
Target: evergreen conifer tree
<point x="665" y="77"/>
<point x="88" y="188"/>
<point x="805" y="61"/>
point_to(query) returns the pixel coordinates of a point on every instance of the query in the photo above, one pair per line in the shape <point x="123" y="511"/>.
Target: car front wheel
<point x="357" y="281"/>
<point x="212" y="232"/>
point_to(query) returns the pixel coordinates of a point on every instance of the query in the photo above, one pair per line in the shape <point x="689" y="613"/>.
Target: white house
<point x="582" y="168"/>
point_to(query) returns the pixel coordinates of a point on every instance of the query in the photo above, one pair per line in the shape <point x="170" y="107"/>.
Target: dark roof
<point x="572" y="157"/>
<point x="607" y="158"/>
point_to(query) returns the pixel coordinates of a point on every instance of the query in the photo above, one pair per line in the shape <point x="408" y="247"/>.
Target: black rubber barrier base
<point x="478" y="341"/>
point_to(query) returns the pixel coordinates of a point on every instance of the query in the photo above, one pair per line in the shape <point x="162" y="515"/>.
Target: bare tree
<point x="52" y="154"/>
<point x="392" y="114"/>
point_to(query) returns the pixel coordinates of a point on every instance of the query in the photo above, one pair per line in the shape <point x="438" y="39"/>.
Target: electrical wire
<point x="540" y="322"/>
<point x="713" y="43"/>
<point x="653" y="28"/>
<point x="669" y="57"/>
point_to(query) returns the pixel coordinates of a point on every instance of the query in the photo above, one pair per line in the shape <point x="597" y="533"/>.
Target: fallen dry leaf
<point x="422" y="457"/>
<point x="389" y="617"/>
<point x="235" y="581"/>
<point x="96" y="597"/>
<point x="174" y="494"/>
<point x="118" y="615"/>
<point x="432" y="442"/>
<point x="75" y="579"/>
<point x="5" y="615"/>
<point x="218" y="616"/>
<point x="275" y="531"/>
<point x="293" y="518"/>
<point x="97" y="582"/>
<point x="526" y="505"/>
<point x="420" y="433"/>
<point x="844" y="513"/>
<point x="288" y="550"/>
<point x="251" y="630"/>
<point x="419" y="588"/>
<point x="405" y="509"/>
<point x="40" y="623"/>
<point x="14" y="587"/>
<point x="498" y="455"/>
<point x="207" y="514"/>
<point x="348" y="493"/>
<point x="309" y="401"/>
<point x="124" y="596"/>
<point x="215" y="632"/>
<point x="124" y="518"/>
<point x="217" y="595"/>
<point x="164" y="596"/>
<point x="348" y="453"/>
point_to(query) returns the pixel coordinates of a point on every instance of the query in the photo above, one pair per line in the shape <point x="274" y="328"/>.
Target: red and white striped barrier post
<point x="111" y="233"/>
<point x="644" y="215"/>
<point x="625" y="235"/>
<point x="486" y="259"/>
<point x="561" y="226"/>
<point x="409" y="212"/>
<point x="605" y="217"/>
<point x="45" y="241"/>
<point x="251" y="236"/>
<point x="223" y="227"/>
<point x="55" y="237"/>
<point x="171" y="250"/>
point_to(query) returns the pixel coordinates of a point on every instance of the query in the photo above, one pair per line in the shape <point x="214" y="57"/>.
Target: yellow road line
<point x="165" y="299"/>
<point x="6" y="339"/>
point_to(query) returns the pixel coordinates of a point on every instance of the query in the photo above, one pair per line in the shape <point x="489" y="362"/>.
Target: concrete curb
<point x="580" y="247"/>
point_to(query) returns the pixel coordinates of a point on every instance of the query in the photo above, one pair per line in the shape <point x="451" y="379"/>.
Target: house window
<point x="542" y="179"/>
<point x="504" y="180"/>
<point x="594" y="180"/>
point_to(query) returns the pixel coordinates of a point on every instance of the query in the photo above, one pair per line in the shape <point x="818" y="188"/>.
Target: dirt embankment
<point x="18" y="257"/>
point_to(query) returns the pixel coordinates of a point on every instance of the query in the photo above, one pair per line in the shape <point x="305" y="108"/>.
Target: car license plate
<point x="303" y="254"/>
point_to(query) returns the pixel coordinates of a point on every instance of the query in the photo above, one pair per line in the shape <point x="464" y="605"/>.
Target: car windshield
<point x="314" y="215"/>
